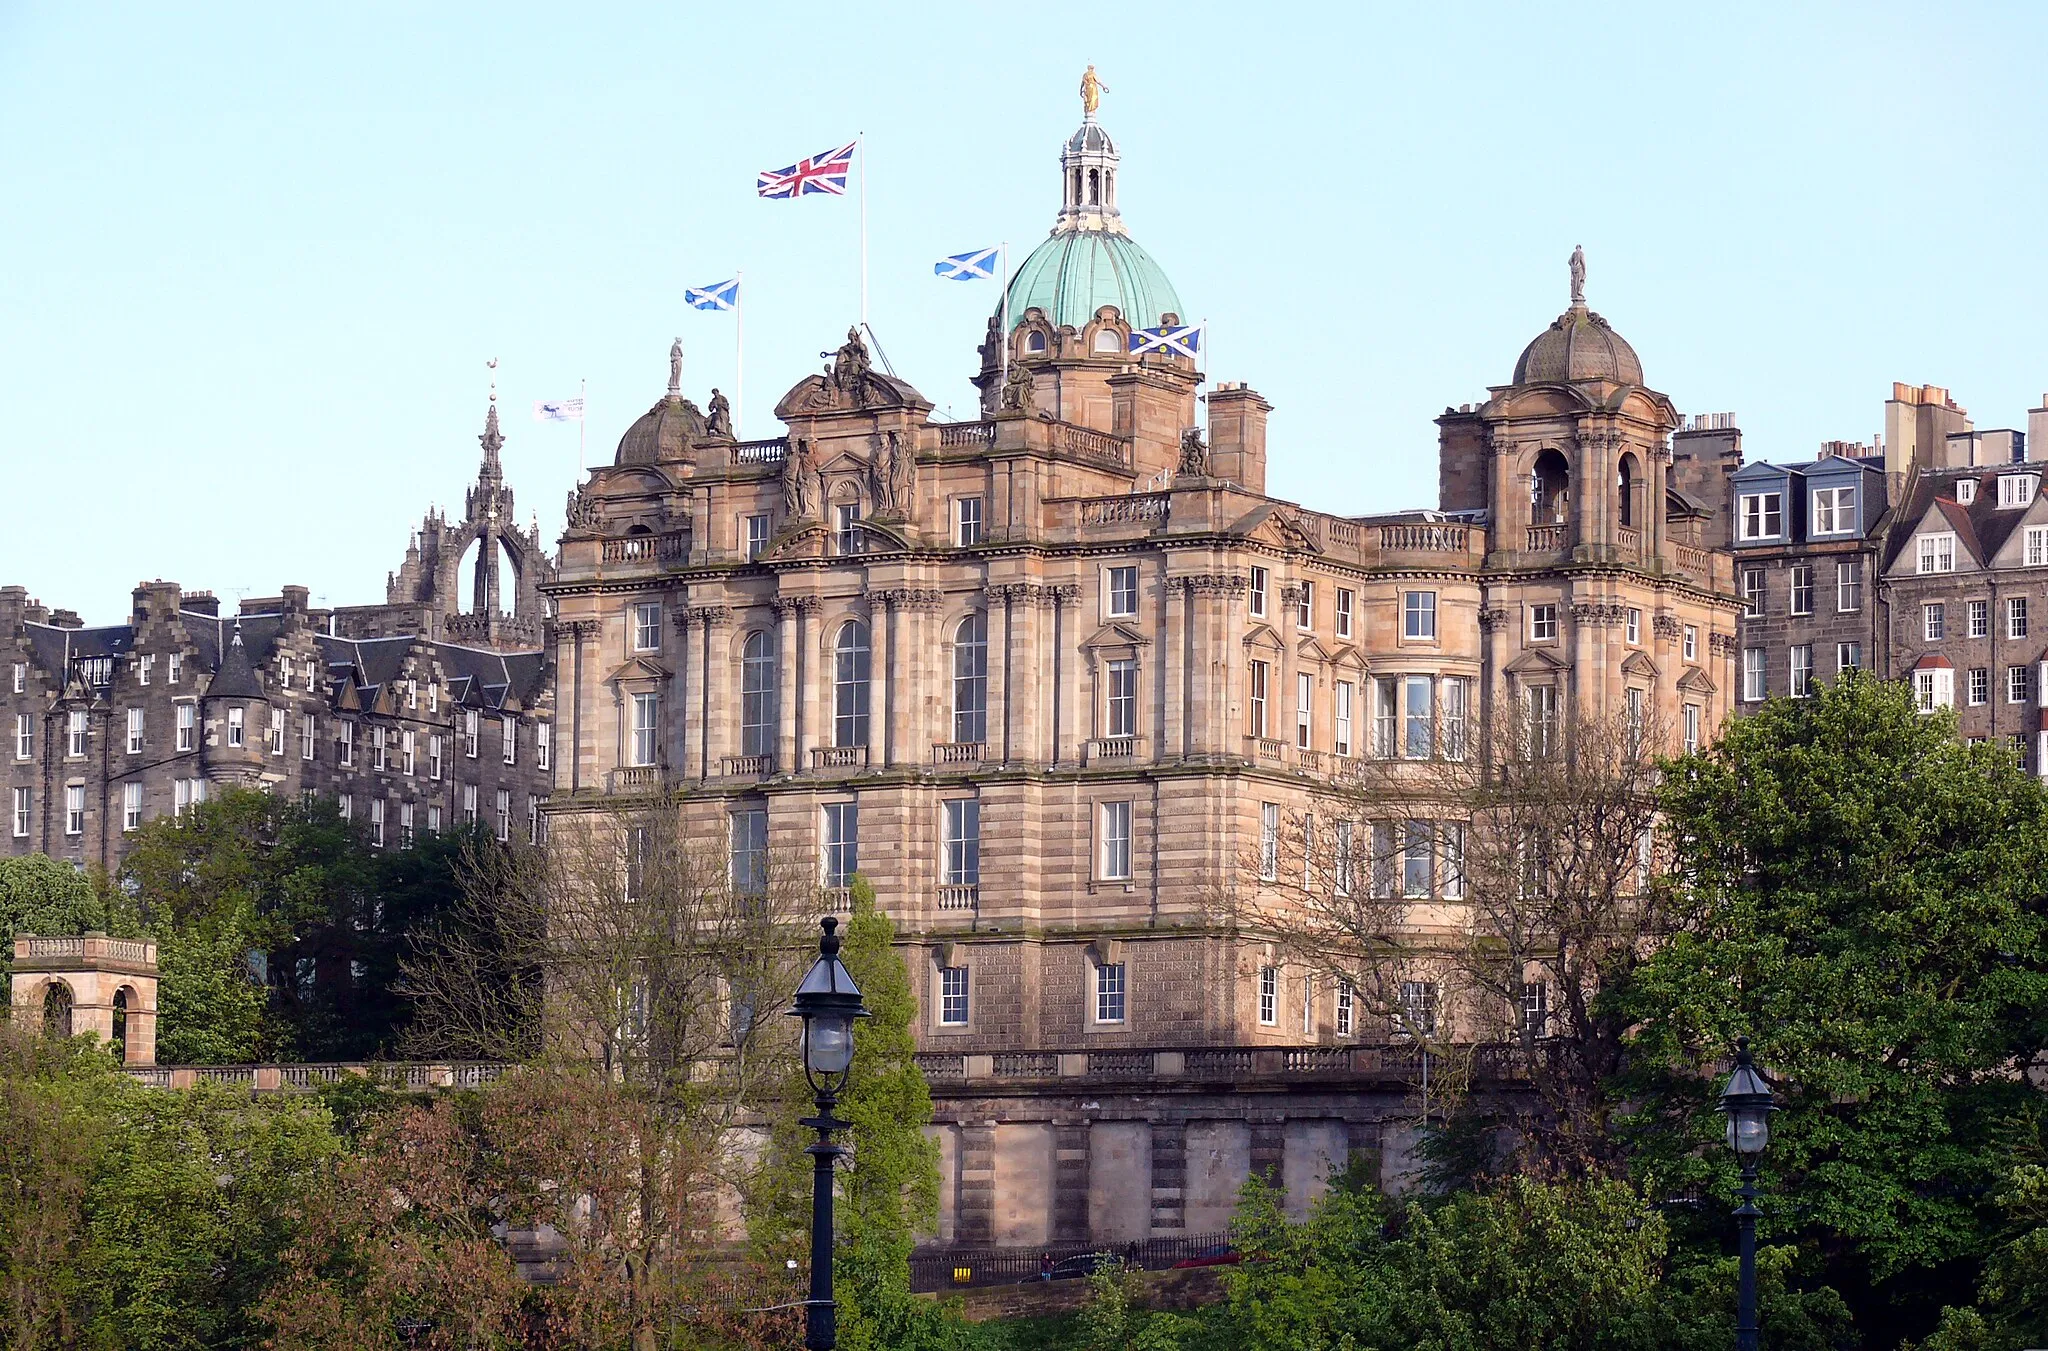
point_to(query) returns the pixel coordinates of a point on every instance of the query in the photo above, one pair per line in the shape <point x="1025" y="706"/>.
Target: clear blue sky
<point x="256" y="256"/>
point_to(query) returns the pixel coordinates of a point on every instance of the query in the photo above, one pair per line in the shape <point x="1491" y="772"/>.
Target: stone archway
<point x="58" y="1006"/>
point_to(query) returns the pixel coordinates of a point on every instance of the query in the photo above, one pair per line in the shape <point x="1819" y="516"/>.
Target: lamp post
<point x="1746" y="1103"/>
<point x="828" y="1001"/>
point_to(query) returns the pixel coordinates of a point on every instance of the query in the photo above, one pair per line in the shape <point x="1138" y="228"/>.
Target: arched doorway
<point x="57" y="1009"/>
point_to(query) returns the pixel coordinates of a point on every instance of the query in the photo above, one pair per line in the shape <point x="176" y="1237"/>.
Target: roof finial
<point x="675" y="367"/>
<point x="1092" y="90"/>
<point x="493" y="365"/>
<point x="1578" y="267"/>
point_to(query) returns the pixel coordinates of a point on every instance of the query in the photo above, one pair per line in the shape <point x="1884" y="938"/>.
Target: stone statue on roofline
<point x="1578" y="270"/>
<point x="718" y="422"/>
<point x="1194" y="454"/>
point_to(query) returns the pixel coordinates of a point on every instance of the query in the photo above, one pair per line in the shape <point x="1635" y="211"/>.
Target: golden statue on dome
<point x="1092" y="90"/>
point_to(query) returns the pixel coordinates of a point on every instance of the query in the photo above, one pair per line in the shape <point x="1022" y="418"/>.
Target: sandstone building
<point x="416" y="714"/>
<point x="1050" y="677"/>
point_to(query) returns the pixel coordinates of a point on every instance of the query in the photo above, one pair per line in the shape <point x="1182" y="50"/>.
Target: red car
<point x="1215" y="1255"/>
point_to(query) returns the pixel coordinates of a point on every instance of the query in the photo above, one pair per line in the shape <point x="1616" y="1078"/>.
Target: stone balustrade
<point x="667" y="548"/>
<point x="34" y="949"/>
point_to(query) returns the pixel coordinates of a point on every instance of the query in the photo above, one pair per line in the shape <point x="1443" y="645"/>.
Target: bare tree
<point x="1476" y="902"/>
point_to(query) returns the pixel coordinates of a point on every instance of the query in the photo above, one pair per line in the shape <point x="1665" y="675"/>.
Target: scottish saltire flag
<point x="825" y="171"/>
<point x="558" y="410"/>
<point x="1181" y="340"/>
<point x="719" y="295"/>
<point x="979" y="265"/>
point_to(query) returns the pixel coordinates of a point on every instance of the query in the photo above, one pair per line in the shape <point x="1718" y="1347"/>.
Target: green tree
<point x="1861" y="895"/>
<point x="50" y="1098"/>
<point x="39" y="895"/>
<point x="195" y="1196"/>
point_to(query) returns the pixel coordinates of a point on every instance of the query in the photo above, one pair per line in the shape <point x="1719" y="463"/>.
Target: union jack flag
<point x="822" y="172"/>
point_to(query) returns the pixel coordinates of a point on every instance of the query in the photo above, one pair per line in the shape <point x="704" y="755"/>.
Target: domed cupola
<point x="1579" y="345"/>
<point x="1091" y="260"/>
<point x="664" y="433"/>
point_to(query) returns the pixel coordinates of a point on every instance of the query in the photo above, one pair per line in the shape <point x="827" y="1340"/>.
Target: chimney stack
<point x="1237" y="435"/>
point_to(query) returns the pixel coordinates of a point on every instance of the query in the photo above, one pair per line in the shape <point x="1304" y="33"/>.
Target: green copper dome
<point x="1076" y="272"/>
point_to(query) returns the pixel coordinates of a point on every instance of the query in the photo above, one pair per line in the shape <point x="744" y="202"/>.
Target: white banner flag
<point x="558" y="410"/>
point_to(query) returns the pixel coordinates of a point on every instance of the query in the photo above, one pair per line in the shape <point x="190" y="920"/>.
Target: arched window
<point x="57" y="1009"/>
<point x="1550" y="490"/>
<point x="121" y="1024"/>
<point x="1094" y="187"/>
<point x="970" y="679"/>
<point x="850" y="685"/>
<point x="757" y="695"/>
<point x="1109" y="187"/>
<point x="1108" y="340"/>
<point x="1626" y="481"/>
<point x="1075" y="199"/>
<point x="1036" y="342"/>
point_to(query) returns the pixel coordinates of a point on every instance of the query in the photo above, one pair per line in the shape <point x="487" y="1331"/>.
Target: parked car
<point x="1080" y="1264"/>
<point x="1215" y="1255"/>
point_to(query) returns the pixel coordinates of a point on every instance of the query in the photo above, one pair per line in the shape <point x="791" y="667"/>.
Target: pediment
<point x="1535" y="661"/>
<point x="1696" y="680"/>
<point x="1347" y="655"/>
<point x="638" y="670"/>
<point x="1116" y="635"/>
<point x="1936" y="520"/>
<point x="1639" y="664"/>
<point x="1262" y="636"/>
<point x="1312" y="648"/>
<point x="346" y="699"/>
<point x="805" y="539"/>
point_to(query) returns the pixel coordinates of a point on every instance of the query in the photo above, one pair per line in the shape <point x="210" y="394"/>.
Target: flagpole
<point x="1004" y="336"/>
<point x="739" y="321"/>
<point x="861" y="148"/>
<point x="582" y="423"/>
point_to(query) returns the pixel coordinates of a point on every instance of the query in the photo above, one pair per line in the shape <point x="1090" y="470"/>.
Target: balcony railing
<point x="967" y="434"/>
<point x="1425" y="537"/>
<point x="82" y="948"/>
<point x="1695" y="560"/>
<point x="636" y="779"/>
<point x="1545" y="539"/>
<point x="1088" y="444"/>
<point x="771" y="451"/>
<point x="647" y="548"/>
<point x="960" y="896"/>
<point x="1266" y="749"/>
<point x="1133" y="508"/>
<point x="735" y="766"/>
<point x="1631" y="540"/>
<point x="1113" y="748"/>
<point x="958" y="752"/>
<point x="839" y="757"/>
<point x="1344" y="533"/>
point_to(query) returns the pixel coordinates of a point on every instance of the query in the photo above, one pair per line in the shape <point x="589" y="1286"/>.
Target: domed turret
<point x="665" y="432"/>
<point x="1091" y="260"/>
<point x="1579" y="345"/>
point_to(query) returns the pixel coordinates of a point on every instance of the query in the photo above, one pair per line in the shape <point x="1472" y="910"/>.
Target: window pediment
<point x="1116" y="635"/>
<point x="1639" y="664"/>
<point x="1696" y="680"/>
<point x="1262" y="636"/>
<point x="640" y="673"/>
<point x="1535" y="661"/>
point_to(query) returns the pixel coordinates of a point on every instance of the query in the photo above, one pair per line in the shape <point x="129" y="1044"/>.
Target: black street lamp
<point x="1746" y="1102"/>
<point x="828" y="1001"/>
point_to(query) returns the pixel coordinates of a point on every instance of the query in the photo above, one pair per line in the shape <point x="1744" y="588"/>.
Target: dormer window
<point x="1937" y="553"/>
<point x="2016" y="490"/>
<point x="1966" y="491"/>
<point x="1035" y="343"/>
<point x="1108" y="340"/>
<point x="1834" y="511"/>
<point x="1762" y="515"/>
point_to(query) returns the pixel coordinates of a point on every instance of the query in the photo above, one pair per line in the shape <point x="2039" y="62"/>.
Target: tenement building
<point x="431" y="709"/>
<point x="1050" y="677"/>
<point x="1923" y="557"/>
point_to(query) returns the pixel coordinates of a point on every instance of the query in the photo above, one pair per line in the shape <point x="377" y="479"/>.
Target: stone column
<point x="807" y="680"/>
<point x="883" y="685"/>
<point x="715" y="688"/>
<point x="687" y="715"/>
<point x="1001" y="613"/>
<point x="1169" y="724"/>
<point x="1023" y="697"/>
<point x="1068" y="713"/>
<point x="1287" y="702"/>
<point x="787" y="714"/>
<point x="1230" y="713"/>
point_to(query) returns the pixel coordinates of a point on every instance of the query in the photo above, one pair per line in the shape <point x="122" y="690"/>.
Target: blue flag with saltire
<point x="558" y="410"/>
<point x="980" y="265"/>
<point x="1182" y="340"/>
<point x="719" y="295"/>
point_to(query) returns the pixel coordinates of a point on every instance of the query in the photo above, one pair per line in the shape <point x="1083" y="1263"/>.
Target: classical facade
<point x="417" y="714"/>
<point x="1050" y="677"/>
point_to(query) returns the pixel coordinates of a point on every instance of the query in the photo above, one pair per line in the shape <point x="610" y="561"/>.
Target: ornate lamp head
<point x="828" y="1002"/>
<point x="1746" y="1103"/>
